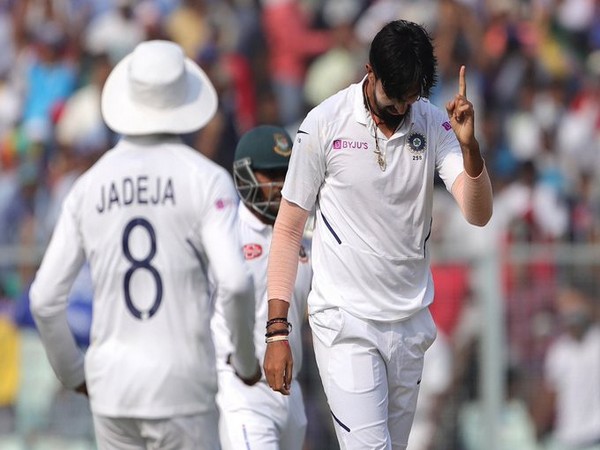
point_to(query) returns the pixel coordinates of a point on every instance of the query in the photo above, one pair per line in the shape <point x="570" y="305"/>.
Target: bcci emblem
<point x="282" y="146"/>
<point x="417" y="142"/>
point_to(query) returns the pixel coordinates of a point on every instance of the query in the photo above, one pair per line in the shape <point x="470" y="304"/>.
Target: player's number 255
<point x="141" y="263"/>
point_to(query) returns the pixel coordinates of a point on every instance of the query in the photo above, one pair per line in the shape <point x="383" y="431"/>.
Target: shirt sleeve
<point x="449" y="159"/>
<point x="306" y="171"/>
<point x="49" y="291"/>
<point x="221" y="241"/>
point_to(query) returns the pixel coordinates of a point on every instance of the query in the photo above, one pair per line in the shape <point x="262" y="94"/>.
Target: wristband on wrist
<point x="279" y="338"/>
<point x="282" y="320"/>
<point x="277" y="333"/>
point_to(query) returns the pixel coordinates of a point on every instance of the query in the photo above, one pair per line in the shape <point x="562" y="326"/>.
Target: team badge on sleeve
<point x="252" y="251"/>
<point x="417" y="142"/>
<point x="223" y="203"/>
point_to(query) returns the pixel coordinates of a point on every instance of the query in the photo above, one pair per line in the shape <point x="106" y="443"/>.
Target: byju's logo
<point x="342" y="144"/>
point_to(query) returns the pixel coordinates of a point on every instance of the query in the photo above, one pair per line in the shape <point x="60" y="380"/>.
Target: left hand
<point x="461" y="114"/>
<point x="247" y="381"/>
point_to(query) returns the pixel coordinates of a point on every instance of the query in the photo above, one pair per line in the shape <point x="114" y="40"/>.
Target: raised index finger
<point x="462" y="82"/>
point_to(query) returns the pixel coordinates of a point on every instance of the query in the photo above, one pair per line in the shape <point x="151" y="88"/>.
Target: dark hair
<point x="401" y="56"/>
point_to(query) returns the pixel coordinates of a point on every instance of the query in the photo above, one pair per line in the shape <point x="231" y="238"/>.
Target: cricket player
<point x="152" y="217"/>
<point x="256" y="417"/>
<point x="366" y="158"/>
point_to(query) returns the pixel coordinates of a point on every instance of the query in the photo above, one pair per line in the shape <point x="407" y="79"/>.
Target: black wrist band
<point x="282" y="320"/>
<point x="277" y="333"/>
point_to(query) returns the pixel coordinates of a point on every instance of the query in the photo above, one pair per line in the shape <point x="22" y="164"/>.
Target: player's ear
<point x="371" y="74"/>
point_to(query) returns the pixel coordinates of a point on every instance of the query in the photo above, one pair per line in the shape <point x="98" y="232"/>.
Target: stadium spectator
<point x="51" y="77"/>
<point x="568" y="405"/>
<point x="516" y="429"/>
<point x="114" y="32"/>
<point x="291" y="41"/>
<point x="189" y="26"/>
<point x="10" y="367"/>
<point x="338" y="66"/>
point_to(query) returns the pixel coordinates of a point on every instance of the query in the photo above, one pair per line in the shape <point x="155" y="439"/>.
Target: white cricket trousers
<point x="371" y="373"/>
<point x="197" y="432"/>
<point x="258" y="418"/>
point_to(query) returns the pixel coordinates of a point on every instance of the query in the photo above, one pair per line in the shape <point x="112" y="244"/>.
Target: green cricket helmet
<point x="266" y="148"/>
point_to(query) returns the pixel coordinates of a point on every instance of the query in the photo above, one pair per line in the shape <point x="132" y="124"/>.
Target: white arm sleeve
<point x="62" y="261"/>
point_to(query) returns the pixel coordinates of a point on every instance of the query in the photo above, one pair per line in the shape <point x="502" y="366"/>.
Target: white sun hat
<point x="156" y="89"/>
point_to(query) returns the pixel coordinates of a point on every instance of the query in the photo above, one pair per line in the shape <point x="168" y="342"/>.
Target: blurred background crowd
<point x="533" y="75"/>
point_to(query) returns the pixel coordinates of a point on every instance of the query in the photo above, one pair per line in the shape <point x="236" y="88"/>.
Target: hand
<point x="247" y="381"/>
<point x="278" y="366"/>
<point x="82" y="389"/>
<point x="461" y="114"/>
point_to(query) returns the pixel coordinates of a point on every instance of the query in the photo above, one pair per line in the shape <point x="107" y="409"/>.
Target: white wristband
<point x="276" y="338"/>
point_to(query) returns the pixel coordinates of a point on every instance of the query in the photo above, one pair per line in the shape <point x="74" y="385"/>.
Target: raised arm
<point x="472" y="189"/>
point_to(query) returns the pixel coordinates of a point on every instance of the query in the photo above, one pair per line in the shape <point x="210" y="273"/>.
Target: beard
<point x="392" y="121"/>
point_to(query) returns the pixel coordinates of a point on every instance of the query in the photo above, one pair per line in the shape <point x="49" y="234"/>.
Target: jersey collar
<point x="361" y="115"/>
<point x="360" y="112"/>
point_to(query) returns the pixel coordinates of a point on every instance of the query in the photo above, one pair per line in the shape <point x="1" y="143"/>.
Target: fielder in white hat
<point x="150" y="217"/>
<point x="156" y="89"/>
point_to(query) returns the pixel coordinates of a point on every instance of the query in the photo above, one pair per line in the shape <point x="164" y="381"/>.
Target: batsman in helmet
<point x="256" y="416"/>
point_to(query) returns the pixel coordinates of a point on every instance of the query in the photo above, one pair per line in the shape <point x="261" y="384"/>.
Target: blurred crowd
<point x="533" y="75"/>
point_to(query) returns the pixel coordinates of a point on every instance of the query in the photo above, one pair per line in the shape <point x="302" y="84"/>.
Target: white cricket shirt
<point x="370" y="244"/>
<point x="149" y="216"/>
<point x="255" y="238"/>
